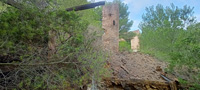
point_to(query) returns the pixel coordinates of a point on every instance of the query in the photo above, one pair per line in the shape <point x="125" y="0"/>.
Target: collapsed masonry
<point x="110" y="24"/>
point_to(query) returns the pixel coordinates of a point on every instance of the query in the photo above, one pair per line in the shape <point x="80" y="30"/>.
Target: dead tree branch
<point x="37" y="64"/>
<point x="86" y="6"/>
<point x="14" y="4"/>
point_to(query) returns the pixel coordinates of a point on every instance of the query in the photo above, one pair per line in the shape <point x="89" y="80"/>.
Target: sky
<point x="137" y="8"/>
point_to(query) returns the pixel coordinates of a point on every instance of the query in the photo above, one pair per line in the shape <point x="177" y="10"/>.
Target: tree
<point x="169" y="17"/>
<point x="25" y="32"/>
<point x="124" y="22"/>
<point x="166" y="23"/>
<point x="128" y="36"/>
<point x="162" y="27"/>
<point x="171" y="34"/>
<point x="194" y="26"/>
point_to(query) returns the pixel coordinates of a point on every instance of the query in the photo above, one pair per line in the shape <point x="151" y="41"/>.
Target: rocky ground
<point x="137" y="71"/>
<point x="137" y="66"/>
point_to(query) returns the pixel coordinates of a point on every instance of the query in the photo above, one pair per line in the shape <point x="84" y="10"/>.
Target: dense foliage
<point x="128" y="36"/>
<point x="26" y="36"/>
<point x="166" y="35"/>
<point x="124" y="46"/>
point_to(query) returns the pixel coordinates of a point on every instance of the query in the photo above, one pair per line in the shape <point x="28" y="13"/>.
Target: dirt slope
<point x="136" y="66"/>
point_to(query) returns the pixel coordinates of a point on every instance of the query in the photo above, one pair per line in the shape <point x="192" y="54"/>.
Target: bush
<point x="127" y="36"/>
<point x="124" y="46"/>
<point x="179" y="47"/>
<point x="25" y="37"/>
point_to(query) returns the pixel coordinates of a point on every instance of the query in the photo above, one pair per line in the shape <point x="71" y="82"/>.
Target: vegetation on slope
<point x="25" y="37"/>
<point x="172" y="34"/>
<point x="124" y="46"/>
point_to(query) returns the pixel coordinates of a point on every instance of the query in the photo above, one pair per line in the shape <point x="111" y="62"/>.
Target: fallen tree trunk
<point x="76" y="8"/>
<point x="14" y="4"/>
<point x="86" y="6"/>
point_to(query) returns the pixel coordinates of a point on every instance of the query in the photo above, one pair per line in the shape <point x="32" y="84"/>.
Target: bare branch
<point x="86" y="6"/>
<point x="38" y="64"/>
<point x="14" y="4"/>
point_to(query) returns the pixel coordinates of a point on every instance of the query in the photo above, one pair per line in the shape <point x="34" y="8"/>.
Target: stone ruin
<point x="110" y="24"/>
<point x="135" y="41"/>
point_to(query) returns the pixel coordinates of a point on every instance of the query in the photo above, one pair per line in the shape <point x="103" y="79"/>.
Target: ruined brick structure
<point x="135" y="41"/>
<point x="110" y="24"/>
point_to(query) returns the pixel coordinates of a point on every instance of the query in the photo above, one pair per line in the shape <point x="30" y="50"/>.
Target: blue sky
<point x="137" y="8"/>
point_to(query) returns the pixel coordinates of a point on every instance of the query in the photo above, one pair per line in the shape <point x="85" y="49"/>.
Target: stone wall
<point x="110" y="24"/>
<point x="135" y="44"/>
<point x="135" y="41"/>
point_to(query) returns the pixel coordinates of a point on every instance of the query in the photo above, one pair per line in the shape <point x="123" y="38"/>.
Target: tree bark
<point x="14" y="4"/>
<point x="86" y="6"/>
<point x="76" y="8"/>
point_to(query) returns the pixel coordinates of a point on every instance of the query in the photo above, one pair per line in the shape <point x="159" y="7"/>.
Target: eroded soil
<point x="137" y="66"/>
<point x="137" y="71"/>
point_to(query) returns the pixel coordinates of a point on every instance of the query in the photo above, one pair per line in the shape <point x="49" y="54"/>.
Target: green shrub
<point x="181" y="50"/>
<point x="24" y="39"/>
<point x="127" y="36"/>
<point x="124" y="46"/>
